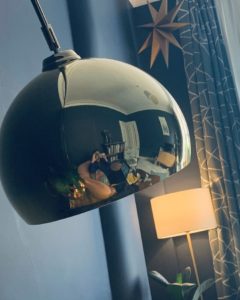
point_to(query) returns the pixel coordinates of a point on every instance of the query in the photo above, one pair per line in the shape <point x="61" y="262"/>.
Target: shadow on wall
<point x="136" y="291"/>
<point x="159" y="254"/>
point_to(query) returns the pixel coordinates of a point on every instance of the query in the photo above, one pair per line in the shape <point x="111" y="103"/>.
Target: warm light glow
<point x="186" y="211"/>
<point x="136" y="3"/>
<point x="166" y="159"/>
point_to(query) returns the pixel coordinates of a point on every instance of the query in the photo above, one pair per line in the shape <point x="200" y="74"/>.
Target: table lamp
<point x="183" y="213"/>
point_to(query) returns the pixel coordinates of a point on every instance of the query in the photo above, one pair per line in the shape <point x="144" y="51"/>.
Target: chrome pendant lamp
<point x="85" y="133"/>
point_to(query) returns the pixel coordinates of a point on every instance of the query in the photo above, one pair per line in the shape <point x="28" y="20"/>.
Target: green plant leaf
<point x="175" y="291"/>
<point x="203" y="287"/>
<point x="183" y="288"/>
<point x="158" y="277"/>
<point x="60" y="186"/>
<point x="179" y="278"/>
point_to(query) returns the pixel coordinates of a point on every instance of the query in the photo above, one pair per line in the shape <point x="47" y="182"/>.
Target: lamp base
<point x="193" y="259"/>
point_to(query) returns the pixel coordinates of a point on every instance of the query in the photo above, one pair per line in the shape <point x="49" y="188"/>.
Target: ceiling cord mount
<point x="47" y="29"/>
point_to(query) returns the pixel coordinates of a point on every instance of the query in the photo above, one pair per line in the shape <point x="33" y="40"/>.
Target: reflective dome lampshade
<point x="87" y="132"/>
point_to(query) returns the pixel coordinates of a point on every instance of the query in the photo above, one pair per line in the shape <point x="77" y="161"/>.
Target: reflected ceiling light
<point x="87" y="132"/>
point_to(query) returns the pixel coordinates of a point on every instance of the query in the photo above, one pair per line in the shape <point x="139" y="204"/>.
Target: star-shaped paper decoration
<point x="161" y="30"/>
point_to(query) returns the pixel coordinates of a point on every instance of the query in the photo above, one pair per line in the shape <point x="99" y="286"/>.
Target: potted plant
<point x="182" y="289"/>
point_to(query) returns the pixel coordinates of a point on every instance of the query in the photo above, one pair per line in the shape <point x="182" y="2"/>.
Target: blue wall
<point x="56" y="261"/>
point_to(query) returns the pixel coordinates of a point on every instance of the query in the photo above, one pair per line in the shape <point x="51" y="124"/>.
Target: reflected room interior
<point x="119" y="140"/>
<point x="127" y="152"/>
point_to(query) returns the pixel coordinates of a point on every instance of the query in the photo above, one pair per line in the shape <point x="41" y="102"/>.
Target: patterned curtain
<point x="216" y="118"/>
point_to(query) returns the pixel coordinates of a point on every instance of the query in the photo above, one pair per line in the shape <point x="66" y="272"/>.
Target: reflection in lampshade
<point x="166" y="159"/>
<point x="186" y="211"/>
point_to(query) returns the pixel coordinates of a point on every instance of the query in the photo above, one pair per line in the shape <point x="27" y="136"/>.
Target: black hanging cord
<point x="47" y="29"/>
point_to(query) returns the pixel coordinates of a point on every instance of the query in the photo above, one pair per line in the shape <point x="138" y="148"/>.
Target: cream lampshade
<point x="183" y="213"/>
<point x="186" y="211"/>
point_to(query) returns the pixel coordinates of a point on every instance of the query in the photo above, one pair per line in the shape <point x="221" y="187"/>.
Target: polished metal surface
<point x="87" y="134"/>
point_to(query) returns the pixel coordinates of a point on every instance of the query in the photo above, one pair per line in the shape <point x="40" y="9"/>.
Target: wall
<point x="170" y="256"/>
<point x="150" y="131"/>
<point x="64" y="259"/>
<point x="93" y="120"/>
